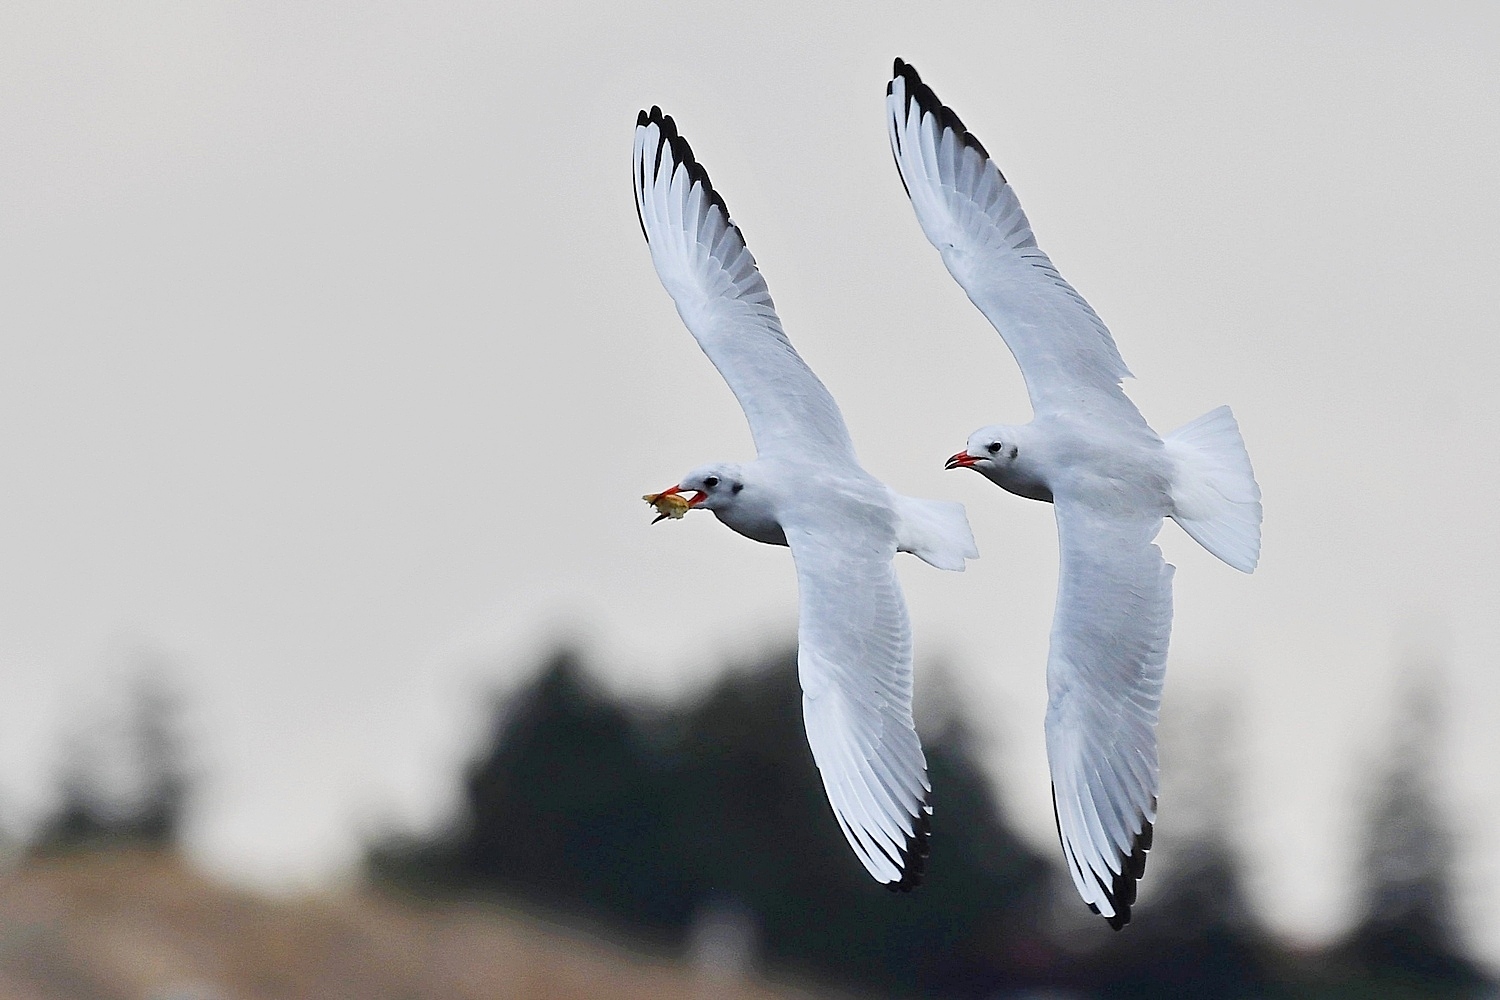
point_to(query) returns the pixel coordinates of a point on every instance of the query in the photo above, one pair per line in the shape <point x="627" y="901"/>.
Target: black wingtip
<point x="908" y="72"/>
<point x="668" y="126"/>
<point x="642" y="119"/>
<point x="898" y="68"/>
<point x="928" y="101"/>
<point x="674" y="145"/>
<point x="1121" y="891"/>
<point x="913" y="861"/>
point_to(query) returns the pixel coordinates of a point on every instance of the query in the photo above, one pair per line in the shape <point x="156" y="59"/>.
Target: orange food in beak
<point x="672" y="504"/>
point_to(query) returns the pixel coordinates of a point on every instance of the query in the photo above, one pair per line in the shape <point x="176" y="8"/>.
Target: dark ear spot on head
<point x="738" y="487"/>
<point x="1014" y="451"/>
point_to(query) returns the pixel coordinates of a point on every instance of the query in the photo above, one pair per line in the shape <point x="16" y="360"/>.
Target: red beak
<point x="698" y="495"/>
<point x="963" y="460"/>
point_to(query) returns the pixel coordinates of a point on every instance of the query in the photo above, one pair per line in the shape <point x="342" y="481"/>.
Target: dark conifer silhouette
<point x="1195" y="934"/>
<point x="645" y="819"/>
<point x="656" y="822"/>
<point x="125" y="779"/>
<point x="1406" y="936"/>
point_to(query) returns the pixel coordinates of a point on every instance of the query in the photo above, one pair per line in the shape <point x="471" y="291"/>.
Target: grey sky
<point x="335" y="367"/>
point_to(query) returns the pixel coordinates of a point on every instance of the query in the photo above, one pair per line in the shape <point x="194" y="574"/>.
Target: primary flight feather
<point x="1111" y="479"/>
<point x="806" y="490"/>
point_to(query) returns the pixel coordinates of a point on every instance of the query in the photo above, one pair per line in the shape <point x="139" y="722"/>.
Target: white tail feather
<point x="935" y="531"/>
<point x="1214" y="494"/>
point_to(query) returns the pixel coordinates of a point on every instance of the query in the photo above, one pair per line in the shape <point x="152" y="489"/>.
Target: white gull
<point x="1111" y="480"/>
<point x="806" y="490"/>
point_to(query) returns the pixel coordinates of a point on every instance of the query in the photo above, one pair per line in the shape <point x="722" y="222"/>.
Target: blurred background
<point x="337" y="655"/>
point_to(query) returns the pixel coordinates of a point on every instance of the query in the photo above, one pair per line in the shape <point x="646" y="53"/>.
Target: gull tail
<point x="1214" y="494"/>
<point x="935" y="531"/>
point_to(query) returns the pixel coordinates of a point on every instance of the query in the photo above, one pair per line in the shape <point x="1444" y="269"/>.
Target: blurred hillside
<point x="654" y="820"/>
<point x="140" y="925"/>
<point x="610" y="849"/>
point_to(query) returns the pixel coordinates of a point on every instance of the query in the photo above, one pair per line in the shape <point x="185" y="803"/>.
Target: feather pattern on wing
<point x="854" y="658"/>
<point x="708" y="270"/>
<point x="1104" y="682"/>
<point x="842" y="525"/>
<point x="970" y="213"/>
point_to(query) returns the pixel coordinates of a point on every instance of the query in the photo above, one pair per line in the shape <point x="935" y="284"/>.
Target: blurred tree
<point x="1195" y="934"/>
<point x="1406" y="935"/>
<point x="751" y="821"/>
<point x="646" y="819"/>
<point x="568" y="808"/>
<point x="124" y="779"/>
<point x="709" y="818"/>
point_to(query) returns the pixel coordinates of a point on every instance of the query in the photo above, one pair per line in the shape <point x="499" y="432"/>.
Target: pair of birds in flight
<point x="1088" y="451"/>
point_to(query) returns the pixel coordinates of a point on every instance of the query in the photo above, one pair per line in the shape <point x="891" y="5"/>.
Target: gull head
<point x="1006" y="457"/>
<point x="713" y="487"/>
<point x="991" y="450"/>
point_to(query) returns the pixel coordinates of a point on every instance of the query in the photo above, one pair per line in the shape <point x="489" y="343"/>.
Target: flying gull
<point x="1111" y="480"/>
<point x="806" y="490"/>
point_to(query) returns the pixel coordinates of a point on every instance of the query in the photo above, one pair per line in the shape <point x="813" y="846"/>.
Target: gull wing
<point x="705" y="266"/>
<point x="854" y="660"/>
<point x="971" y="214"/>
<point x="1104" y="681"/>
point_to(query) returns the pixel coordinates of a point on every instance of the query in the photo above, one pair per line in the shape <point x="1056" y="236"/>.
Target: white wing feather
<point x="972" y="216"/>
<point x="854" y="639"/>
<point x="854" y="659"/>
<point x="705" y="266"/>
<point x="1104" y="682"/>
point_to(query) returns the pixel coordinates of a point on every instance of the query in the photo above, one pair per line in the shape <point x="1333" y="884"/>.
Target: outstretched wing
<point x="971" y="214"/>
<point x="1104" y="681"/>
<point x="705" y="266"/>
<point x="854" y="659"/>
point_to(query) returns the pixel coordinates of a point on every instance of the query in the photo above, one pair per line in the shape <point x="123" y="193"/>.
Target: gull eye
<point x="994" y="448"/>
<point x="711" y="482"/>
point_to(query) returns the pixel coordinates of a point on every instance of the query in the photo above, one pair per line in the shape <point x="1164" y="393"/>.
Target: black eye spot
<point x="711" y="482"/>
<point x="994" y="448"/>
<point x="738" y="487"/>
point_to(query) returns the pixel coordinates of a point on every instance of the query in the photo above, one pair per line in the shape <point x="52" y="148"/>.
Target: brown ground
<point x="144" y="926"/>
